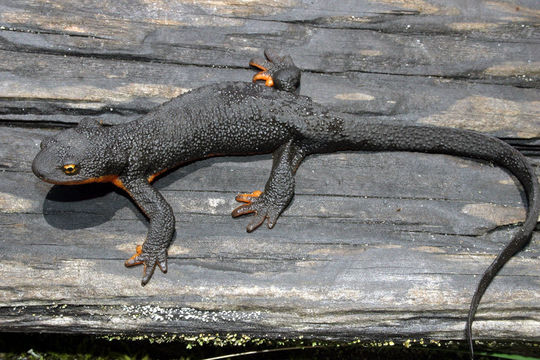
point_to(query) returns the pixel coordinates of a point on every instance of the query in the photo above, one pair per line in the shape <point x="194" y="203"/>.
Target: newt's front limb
<point x="154" y="250"/>
<point x="279" y="189"/>
<point x="277" y="71"/>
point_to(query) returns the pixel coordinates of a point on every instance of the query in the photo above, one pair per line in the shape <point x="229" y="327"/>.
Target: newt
<point x="243" y="118"/>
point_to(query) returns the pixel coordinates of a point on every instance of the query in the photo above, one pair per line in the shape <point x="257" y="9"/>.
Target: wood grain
<point x="374" y="244"/>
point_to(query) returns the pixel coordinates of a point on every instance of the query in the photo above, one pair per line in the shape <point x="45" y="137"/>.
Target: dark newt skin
<point x="238" y="118"/>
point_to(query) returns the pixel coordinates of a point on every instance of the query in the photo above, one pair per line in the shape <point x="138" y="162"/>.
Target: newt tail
<point x="464" y="143"/>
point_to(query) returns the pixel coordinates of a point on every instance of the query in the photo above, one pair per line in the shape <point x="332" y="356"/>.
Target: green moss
<point x="201" y="346"/>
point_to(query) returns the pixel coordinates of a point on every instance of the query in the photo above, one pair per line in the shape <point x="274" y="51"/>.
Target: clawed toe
<point x="243" y="210"/>
<point x="264" y="74"/>
<point x="257" y="221"/>
<point x="148" y="271"/>
<point x="248" y="198"/>
<point x="260" y="63"/>
<point x="136" y="259"/>
<point x="162" y="266"/>
<point x="150" y="261"/>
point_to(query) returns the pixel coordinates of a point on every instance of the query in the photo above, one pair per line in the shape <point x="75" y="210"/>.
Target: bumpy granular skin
<point x="245" y="118"/>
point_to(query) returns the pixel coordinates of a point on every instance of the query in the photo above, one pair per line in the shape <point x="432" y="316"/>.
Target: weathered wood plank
<point x="374" y="245"/>
<point x="350" y="257"/>
<point x="187" y="33"/>
<point x="117" y="66"/>
<point x="118" y="91"/>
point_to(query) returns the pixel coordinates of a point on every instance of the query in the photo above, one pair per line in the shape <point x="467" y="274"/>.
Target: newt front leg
<point x="153" y="252"/>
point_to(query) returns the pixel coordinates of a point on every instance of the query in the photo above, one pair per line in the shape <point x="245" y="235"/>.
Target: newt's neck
<point x="151" y="145"/>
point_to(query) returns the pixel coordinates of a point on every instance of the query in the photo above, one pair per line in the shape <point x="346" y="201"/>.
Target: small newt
<point x="241" y="118"/>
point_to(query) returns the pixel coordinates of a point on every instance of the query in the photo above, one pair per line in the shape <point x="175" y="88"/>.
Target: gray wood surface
<point x="374" y="245"/>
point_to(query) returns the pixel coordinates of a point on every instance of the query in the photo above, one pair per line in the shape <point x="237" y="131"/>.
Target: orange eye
<point x="70" y="169"/>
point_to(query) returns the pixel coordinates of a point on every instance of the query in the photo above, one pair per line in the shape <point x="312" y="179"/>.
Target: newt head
<point x="75" y="156"/>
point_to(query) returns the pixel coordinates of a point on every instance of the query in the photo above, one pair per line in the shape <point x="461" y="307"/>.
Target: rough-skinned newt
<point x="236" y="118"/>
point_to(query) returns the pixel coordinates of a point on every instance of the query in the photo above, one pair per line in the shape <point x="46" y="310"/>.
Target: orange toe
<point x="266" y="77"/>
<point x="132" y="261"/>
<point x="247" y="198"/>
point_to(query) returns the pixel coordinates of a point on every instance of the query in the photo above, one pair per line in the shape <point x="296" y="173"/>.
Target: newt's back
<point x="232" y="118"/>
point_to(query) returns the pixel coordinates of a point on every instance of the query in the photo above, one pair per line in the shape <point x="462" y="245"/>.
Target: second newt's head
<point x="74" y="156"/>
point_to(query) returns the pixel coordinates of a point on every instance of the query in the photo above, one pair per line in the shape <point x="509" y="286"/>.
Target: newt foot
<point x="262" y="207"/>
<point x="277" y="71"/>
<point x="150" y="260"/>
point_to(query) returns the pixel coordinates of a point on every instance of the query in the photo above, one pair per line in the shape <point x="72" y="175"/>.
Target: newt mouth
<point x="37" y="167"/>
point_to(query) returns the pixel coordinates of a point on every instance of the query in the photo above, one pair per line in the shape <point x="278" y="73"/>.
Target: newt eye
<point x="71" y="169"/>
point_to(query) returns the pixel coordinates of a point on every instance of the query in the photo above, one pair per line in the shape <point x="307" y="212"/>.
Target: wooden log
<point x="373" y="245"/>
<point x="455" y="65"/>
<point x="352" y="257"/>
<point x="118" y="91"/>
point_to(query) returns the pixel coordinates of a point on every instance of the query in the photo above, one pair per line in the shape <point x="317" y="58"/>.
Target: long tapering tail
<point x="430" y="139"/>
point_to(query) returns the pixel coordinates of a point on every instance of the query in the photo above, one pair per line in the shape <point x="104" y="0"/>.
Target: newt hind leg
<point x="278" y="192"/>
<point x="277" y="71"/>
